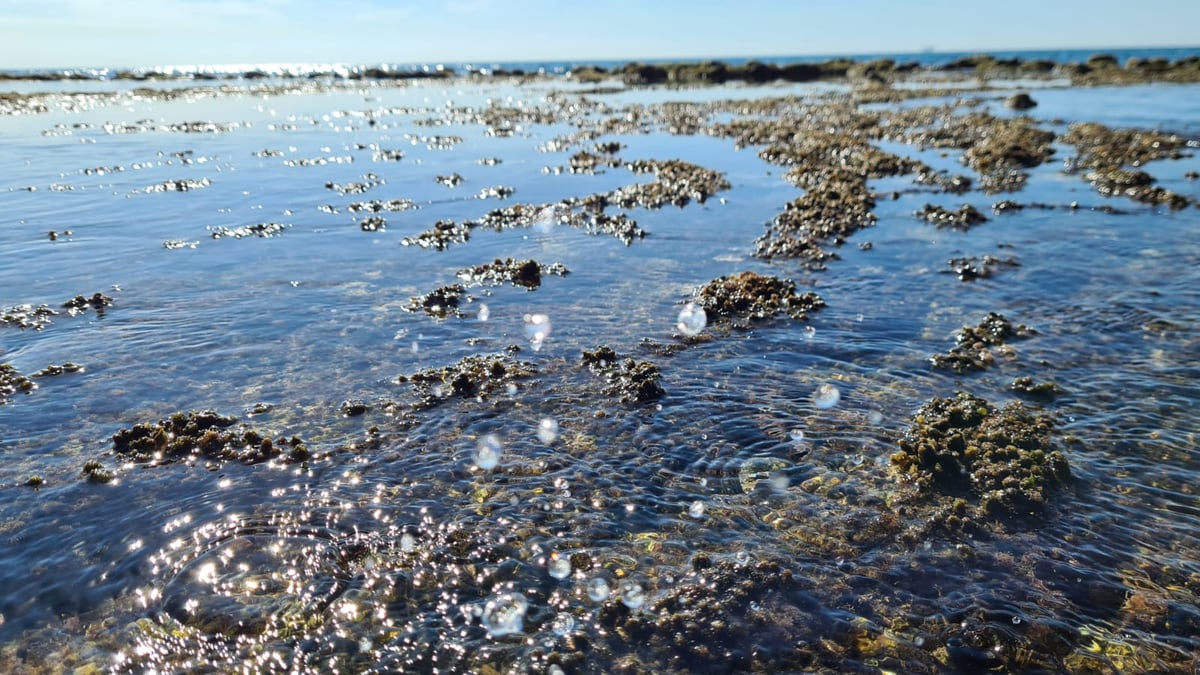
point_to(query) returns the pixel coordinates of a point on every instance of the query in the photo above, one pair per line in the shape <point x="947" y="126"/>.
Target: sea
<point x="250" y="251"/>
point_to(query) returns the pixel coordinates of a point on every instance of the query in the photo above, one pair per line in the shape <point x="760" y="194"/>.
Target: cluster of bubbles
<point x="692" y="319"/>
<point x="632" y="594"/>
<point x="537" y="329"/>
<point x="597" y="589"/>
<point x="487" y="452"/>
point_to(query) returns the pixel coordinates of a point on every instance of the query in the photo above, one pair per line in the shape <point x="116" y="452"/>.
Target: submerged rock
<point x="474" y="376"/>
<point x="202" y="435"/>
<point x="11" y="382"/>
<point x="263" y="230"/>
<point x="634" y="381"/>
<point x="441" y="302"/>
<point x="1002" y="460"/>
<point x="27" y="316"/>
<point x="962" y="219"/>
<point x="440" y="236"/>
<point x="971" y="349"/>
<point x="970" y="268"/>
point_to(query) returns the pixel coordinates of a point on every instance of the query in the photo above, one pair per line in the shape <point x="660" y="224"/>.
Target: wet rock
<point x="79" y="304"/>
<point x="52" y="371"/>
<point x="1001" y="459"/>
<point x="453" y="180"/>
<point x="191" y="436"/>
<point x="634" y="381"/>
<point x="586" y="162"/>
<point x="473" y="376"/>
<point x="442" y="302"/>
<point x="970" y="268"/>
<point x="353" y="407"/>
<point x="262" y="230"/>
<point x="176" y="244"/>
<point x="676" y="182"/>
<point x="440" y="236"/>
<point x="94" y="472"/>
<point x="376" y="206"/>
<point x="1039" y="391"/>
<point x="497" y="192"/>
<point x="962" y="219"/>
<point x="180" y="185"/>
<point x="620" y="226"/>
<point x="954" y="184"/>
<point x="12" y="382"/>
<point x="973" y="345"/>
<point x="369" y="181"/>
<point x="1020" y="101"/>
<point x="372" y="224"/>
<point x="1106" y="155"/>
<point x="27" y="316"/>
<point x="387" y="155"/>
<point x="1136" y="185"/>
<point x="524" y="273"/>
<point x="746" y="296"/>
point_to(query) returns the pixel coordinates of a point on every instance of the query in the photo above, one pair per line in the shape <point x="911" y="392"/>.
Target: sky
<point x="132" y="33"/>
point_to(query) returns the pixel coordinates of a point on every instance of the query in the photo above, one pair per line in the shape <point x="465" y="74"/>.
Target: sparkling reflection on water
<point x="545" y="526"/>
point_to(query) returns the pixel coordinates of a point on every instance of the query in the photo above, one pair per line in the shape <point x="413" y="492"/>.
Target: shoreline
<point x="1101" y="67"/>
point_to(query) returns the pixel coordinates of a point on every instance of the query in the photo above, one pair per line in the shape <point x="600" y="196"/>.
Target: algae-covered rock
<point x="12" y="381"/>
<point x="524" y="273"/>
<point x="473" y="376"/>
<point x="441" y="302"/>
<point x="963" y="219"/>
<point x="745" y="296"/>
<point x="634" y="381"/>
<point x="972" y="347"/>
<point x="1002" y="459"/>
<point x="202" y="435"/>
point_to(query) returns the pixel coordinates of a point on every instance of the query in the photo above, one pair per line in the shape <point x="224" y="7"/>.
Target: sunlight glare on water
<point x="537" y="329"/>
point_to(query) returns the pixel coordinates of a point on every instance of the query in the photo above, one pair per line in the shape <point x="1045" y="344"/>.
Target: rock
<point x="1020" y="101"/>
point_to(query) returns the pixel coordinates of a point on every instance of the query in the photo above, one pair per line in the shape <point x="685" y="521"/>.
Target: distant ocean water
<point x="923" y="58"/>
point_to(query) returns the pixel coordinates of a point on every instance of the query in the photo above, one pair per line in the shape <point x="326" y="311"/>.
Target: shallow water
<point x="393" y="549"/>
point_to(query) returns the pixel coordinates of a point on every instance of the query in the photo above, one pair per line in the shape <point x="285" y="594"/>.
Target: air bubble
<point x="487" y="452"/>
<point x="692" y="319"/>
<point x="505" y="614"/>
<point x="875" y="418"/>
<point x="826" y="396"/>
<point x="408" y="543"/>
<point x="742" y="558"/>
<point x="484" y="313"/>
<point x="547" y="431"/>
<point x="559" y="566"/>
<point x="696" y="509"/>
<point x="632" y="594"/>
<point x="597" y="589"/>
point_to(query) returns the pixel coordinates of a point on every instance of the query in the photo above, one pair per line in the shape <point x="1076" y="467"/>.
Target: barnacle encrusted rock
<point x="1001" y="459"/>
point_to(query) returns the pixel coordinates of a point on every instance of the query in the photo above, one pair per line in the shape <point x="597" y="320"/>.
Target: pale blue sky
<point x="67" y="33"/>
